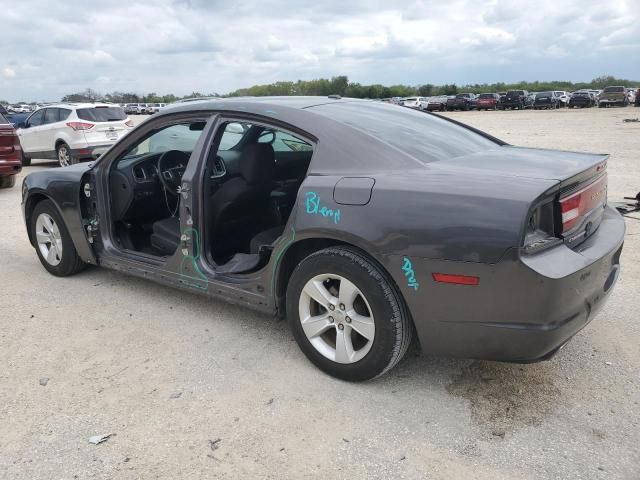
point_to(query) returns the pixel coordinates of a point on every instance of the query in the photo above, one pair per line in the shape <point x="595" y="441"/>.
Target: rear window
<point x="2" y="119"/>
<point x="543" y="95"/>
<point x="516" y="92"/>
<point x="486" y="95"/>
<point x="614" y="90"/>
<point x="427" y="138"/>
<point x="102" y="114"/>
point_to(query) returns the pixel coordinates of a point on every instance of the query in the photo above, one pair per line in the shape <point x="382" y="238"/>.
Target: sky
<point x="49" y="49"/>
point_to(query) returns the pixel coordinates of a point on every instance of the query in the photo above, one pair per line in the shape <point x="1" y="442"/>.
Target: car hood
<point x="509" y="161"/>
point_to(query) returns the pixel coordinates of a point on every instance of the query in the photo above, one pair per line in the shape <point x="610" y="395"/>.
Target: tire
<point x="26" y="161"/>
<point x="8" y="181"/>
<point x="63" y="154"/>
<point x="382" y="314"/>
<point x="62" y="263"/>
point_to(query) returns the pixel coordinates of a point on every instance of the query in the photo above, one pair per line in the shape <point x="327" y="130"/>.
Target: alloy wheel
<point x="336" y="318"/>
<point x="49" y="239"/>
<point x="64" y="157"/>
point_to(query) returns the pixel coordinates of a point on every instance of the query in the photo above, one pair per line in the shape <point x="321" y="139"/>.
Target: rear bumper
<point x="10" y="167"/>
<point x="90" y="152"/>
<point x="524" y="308"/>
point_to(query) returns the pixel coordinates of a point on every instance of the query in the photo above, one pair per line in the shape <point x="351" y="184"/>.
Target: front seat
<point x="166" y="235"/>
<point x="242" y="206"/>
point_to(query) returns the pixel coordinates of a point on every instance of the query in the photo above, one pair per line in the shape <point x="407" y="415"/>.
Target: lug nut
<point x="347" y="319"/>
<point x="342" y="306"/>
<point x="330" y="319"/>
<point x="340" y="326"/>
<point x="332" y="307"/>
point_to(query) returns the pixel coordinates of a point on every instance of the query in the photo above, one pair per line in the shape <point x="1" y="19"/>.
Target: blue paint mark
<point x="272" y="112"/>
<point x="315" y="208"/>
<point x="407" y="268"/>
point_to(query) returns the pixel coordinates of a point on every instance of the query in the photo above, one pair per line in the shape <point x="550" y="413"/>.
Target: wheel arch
<point x="59" y="142"/>
<point x="300" y="249"/>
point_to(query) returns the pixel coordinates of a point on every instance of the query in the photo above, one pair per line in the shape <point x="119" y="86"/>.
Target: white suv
<point x="71" y="132"/>
<point x="155" y="107"/>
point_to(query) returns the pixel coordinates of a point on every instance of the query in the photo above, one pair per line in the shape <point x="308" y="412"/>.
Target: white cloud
<point x="181" y="46"/>
<point x="8" y="72"/>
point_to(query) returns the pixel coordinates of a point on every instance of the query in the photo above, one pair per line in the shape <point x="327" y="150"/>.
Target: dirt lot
<point x="192" y="388"/>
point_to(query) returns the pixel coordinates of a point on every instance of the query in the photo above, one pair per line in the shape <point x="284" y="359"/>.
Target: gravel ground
<point x="193" y="388"/>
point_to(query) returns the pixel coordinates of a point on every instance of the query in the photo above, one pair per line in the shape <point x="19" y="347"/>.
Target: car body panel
<point x="10" y="150"/>
<point x="456" y="213"/>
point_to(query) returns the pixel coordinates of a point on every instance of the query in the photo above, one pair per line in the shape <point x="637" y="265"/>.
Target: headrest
<point x="257" y="163"/>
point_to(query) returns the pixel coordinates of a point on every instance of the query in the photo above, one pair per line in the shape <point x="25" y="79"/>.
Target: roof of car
<point x="291" y="102"/>
<point x="77" y="105"/>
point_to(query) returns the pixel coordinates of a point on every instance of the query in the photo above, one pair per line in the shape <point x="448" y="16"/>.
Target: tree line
<point x="341" y="85"/>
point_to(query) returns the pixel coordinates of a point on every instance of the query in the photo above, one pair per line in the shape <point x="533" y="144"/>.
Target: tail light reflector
<point x="579" y="204"/>
<point x="80" y="125"/>
<point x="456" y="279"/>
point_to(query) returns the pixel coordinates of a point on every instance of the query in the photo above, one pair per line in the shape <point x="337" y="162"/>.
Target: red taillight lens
<point x="80" y="125"/>
<point x="456" y="279"/>
<point x="579" y="204"/>
<point x="129" y="123"/>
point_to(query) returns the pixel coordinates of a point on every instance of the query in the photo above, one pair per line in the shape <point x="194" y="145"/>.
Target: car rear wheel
<point x="53" y="243"/>
<point x="64" y="155"/>
<point x="7" y="182"/>
<point x="346" y="315"/>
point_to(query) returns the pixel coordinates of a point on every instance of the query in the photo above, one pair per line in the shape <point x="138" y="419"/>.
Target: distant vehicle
<point x="531" y="99"/>
<point x="612" y="96"/>
<point x="136" y="108"/>
<point x="563" y="96"/>
<point x="488" y="101"/>
<point x="438" y="103"/>
<point x="582" y="99"/>
<point x="419" y="103"/>
<point x="637" y="102"/>
<point x="462" y="101"/>
<point x="21" y="108"/>
<point x="3" y="111"/>
<point x="516" y="99"/>
<point x="632" y="94"/>
<point x="71" y="132"/>
<point x="155" y="107"/>
<point x="546" y="100"/>
<point x="16" y="119"/>
<point x="10" y="154"/>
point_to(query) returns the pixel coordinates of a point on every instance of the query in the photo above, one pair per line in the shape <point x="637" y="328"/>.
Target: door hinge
<point x="185" y="243"/>
<point x="87" y="190"/>
<point x="92" y="229"/>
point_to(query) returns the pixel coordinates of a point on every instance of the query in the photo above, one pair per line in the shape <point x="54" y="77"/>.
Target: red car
<point x="487" y="101"/>
<point x="10" y="154"/>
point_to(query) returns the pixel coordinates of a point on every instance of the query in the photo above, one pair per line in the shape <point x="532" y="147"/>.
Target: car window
<point x="50" y="115"/>
<point x="426" y="138"/>
<point x="36" y="119"/>
<point x="182" y="136"/>
<point x="2" y="119"/>
<point x="284" y="142"/>
<point x="102" y="114"/>
<point x="63" y="114"/>
<point x="233" y="133"/>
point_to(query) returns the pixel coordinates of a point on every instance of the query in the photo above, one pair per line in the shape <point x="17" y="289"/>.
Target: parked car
<point x="409" y="222"/>
<point x="582" y="99"/>
<point x="17" y="119"/>
<point x="3" y="110"/>
<point x="637" y="102"/>
<point x="546" y="100"/>
<point x="419" y="103"/>
<point x="155" y="107"/>
<point x="10" y="154"/>
<point x="437" y="103"/>
<point x="21" y="108"/>
<point x="563" y="97"/>
<point x="516" y="99"/>
<point x="488" y="101"/>
<point x="72" y="132"/>
<point x="462" y="101"/>
<point x="612" y="96"/>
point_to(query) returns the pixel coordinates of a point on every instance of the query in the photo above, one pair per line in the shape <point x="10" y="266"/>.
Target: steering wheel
<point x="171" y="167"/>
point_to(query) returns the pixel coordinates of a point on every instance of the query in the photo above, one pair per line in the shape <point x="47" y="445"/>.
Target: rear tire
<point x="376" y="307"/>
<point x="63" y="154"/>
<point x="52" y="239"/>
<point x="26" y="161"/>
<point x="7" y="182"/>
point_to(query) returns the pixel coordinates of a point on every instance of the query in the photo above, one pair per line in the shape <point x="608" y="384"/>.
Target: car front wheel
<point x="346" y="315"/>
<point x="8" y="181"/>
<point x="64" y="155"/>
<point x="53" y="243"/>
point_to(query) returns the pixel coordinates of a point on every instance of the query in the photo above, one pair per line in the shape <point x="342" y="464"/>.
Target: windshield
<point x="102" y="114"/>
<point x="614" y="90"/>
<point x="425" y="138"/>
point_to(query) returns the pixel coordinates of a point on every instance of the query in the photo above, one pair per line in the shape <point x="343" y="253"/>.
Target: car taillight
<point x="577" y="205"/>
<point x="129" y="123"/>
<point x="80" y="125"/>
<point x="540" y="232"/>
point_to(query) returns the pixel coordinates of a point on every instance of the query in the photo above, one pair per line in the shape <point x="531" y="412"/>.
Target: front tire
<point x="53" y="243"/>
<point x="63" y="153"/>
<point x="346" y="315"/>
